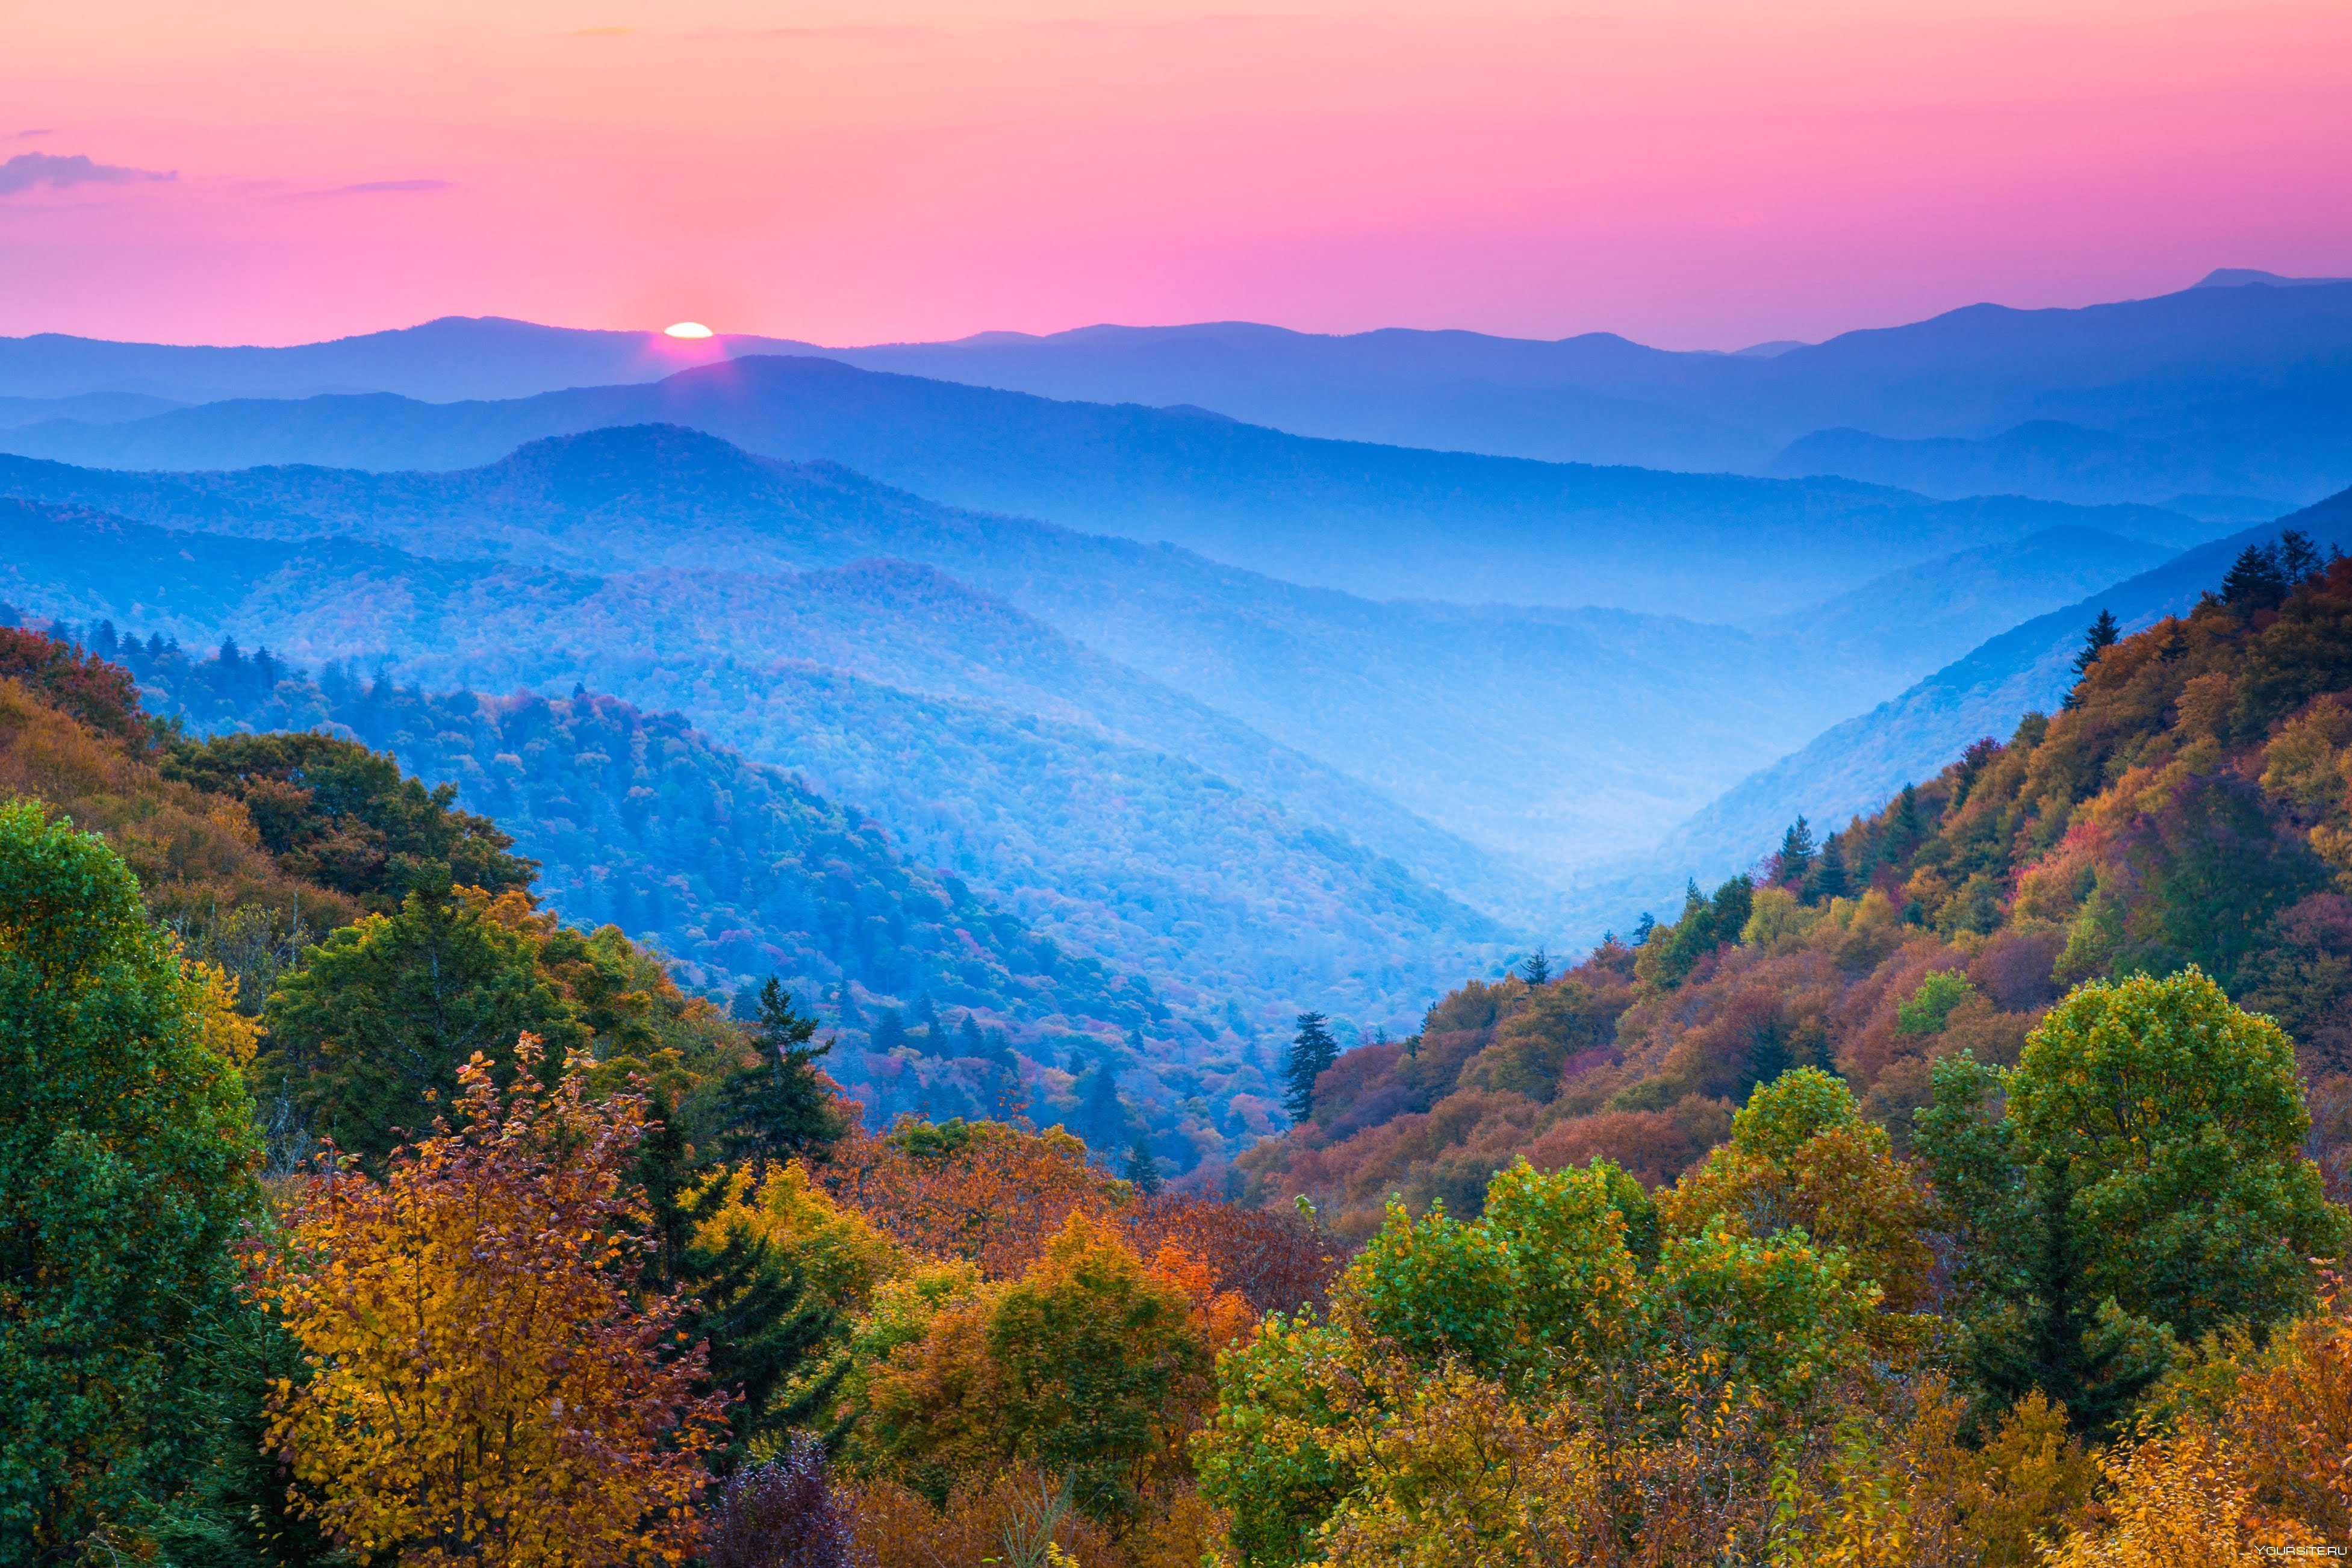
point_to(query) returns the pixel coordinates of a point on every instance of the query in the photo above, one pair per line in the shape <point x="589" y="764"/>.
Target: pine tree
<point x="889" y="1031"/>
<point x="1797" y="850"/>
<point x="2102" y="636"/>
<point x="1643" y="927"/>
<point x="780" y="1108"/>
<point x="969" y="1040"/>
<point x="1535" y="970"/>
<point x="2255" y="581"/>
<point x="2298" y="557"/>
<point x="1909" y="825"/>
<point x="927" y="1017"/>
<point x="1101" y="1117"/>
<point x="1829" y="877"/>
<point x="1312" y="1052"/>
<point x="1142" y="1171"/>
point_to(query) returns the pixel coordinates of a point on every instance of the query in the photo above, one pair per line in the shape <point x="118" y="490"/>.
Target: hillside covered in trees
<point x="2186" y="804"/>
<point x="944" y="1004"/>
<point x="477" y="1239"/>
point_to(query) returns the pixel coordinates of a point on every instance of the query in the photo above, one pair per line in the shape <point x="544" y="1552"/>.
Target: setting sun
<point x="686" y="329"/>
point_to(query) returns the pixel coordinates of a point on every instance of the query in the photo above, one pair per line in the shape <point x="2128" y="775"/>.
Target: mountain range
<point x="1457" y="739"/>
<point x="1382" y="523"/>
<point x="2217" y="396"/>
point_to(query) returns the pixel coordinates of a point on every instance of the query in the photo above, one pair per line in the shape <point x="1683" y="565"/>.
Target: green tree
<point x="781" y="1106"/>
<point x="1829" y="877"/>
<point x="2178" y="1122"/>
<point x="1797" y="850"/>
<point x="2143" y="1182"/>
<point x="368" y="1036"/>
<point x="1142" y="1170"/>
<point x="126" y="1161"/>
<point x="1312" y="1052"/>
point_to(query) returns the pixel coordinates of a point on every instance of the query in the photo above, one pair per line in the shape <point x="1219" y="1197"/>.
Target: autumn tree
<point x="978" y="1191"/>
<point x="127" y="1160"/>
<point x="1074" y="1367"/>
<point x="337" y="813"/>
<point x="486" y="1385"/>
<point x="1312" y="1052"/>
<point x="1801" y="1158"/>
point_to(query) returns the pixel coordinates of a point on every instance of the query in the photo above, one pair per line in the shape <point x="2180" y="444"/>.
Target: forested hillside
<point x="944" y="1004"/>
<point x="1855" y="765"/>
<point x="1160" y="866"/>
<point x="1662" y="714"/>
<point x="2186" y="805"/>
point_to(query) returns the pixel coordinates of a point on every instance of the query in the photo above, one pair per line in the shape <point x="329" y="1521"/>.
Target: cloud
<point x="59" y="171"/>
<point x="368" y="186"/>
<point x="36" y="131"/>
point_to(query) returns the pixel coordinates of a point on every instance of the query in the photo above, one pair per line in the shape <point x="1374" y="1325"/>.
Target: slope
<point x="1644" y="718"/>
<point x="2189" y="806"/>
<point x="1861" y="761"/>
<point x="1151" y="861"/>
<point x="1382" y="521"/>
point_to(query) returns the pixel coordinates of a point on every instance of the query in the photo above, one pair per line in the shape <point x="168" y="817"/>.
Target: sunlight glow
<point x="686" y="329"/>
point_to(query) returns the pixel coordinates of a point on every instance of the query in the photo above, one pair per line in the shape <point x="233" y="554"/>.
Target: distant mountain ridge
<point x="1544" y="738"/>
<point x="1152" y="862"/>
<point x="2232" y="377"/>
<point x="1378" y="521"/>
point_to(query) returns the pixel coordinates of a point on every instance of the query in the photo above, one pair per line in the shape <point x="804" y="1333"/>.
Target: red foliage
<point x="1277" y="1261"/>
<point x="102" y="695"/>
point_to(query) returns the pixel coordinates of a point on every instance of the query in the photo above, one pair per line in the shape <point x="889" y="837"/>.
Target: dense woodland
<point x="943" y="1003"/>
<point x="1965" y="1187"/>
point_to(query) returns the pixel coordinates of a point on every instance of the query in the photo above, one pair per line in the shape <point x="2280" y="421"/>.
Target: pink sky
<point x="1690" y="173"/>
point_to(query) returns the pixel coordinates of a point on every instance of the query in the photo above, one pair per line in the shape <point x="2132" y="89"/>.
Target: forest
<point x="1964" y="1186"/>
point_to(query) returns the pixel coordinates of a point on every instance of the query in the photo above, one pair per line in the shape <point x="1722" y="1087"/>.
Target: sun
<point x="686" y="329"/>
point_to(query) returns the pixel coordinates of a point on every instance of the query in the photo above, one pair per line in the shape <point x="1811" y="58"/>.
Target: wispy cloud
<point x="59" y="171"/>
<point x="36" y="131"/>
<point x="370" y="187"/>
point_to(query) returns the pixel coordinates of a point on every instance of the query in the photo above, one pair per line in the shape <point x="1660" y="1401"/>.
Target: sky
<point x="1693" y="173"/>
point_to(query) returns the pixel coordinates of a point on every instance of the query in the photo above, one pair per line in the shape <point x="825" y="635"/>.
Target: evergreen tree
<point x="2102" y="636"/>
<point x="969" y="1040"/>
<point x="1101" y="1118"/>
<point x="889" y="1031"/>
<point x="1797" y="851"/>
<point x="1312" y="1052"/>
<point x="1535" y="970"/>
<point x="1908" y="826"/>
<point x="2298" y="557"/>
<point x="1829" y="877"/>
<point x="779" y="1108"/>
<point x="1643" y="927"/>
<point x="2255" y="581"/>
<point x="1142" y="1171"/>
<point x="926" y="1018"/>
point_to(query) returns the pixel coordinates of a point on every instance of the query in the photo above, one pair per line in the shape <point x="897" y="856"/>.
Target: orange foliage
<point x="484" y="1386"/>
<point x="983" y="1192"/>
<point x="1277" y="1261"/>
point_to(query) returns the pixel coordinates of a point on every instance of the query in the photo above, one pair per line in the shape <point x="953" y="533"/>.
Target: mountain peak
<point x="2245" y="276"/>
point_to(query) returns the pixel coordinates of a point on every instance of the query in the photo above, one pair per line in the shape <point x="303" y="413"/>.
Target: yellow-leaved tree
<point x="485" y="1385"/>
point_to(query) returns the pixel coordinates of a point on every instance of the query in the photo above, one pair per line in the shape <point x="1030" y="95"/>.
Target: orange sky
<point x="1700" y="174"/>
